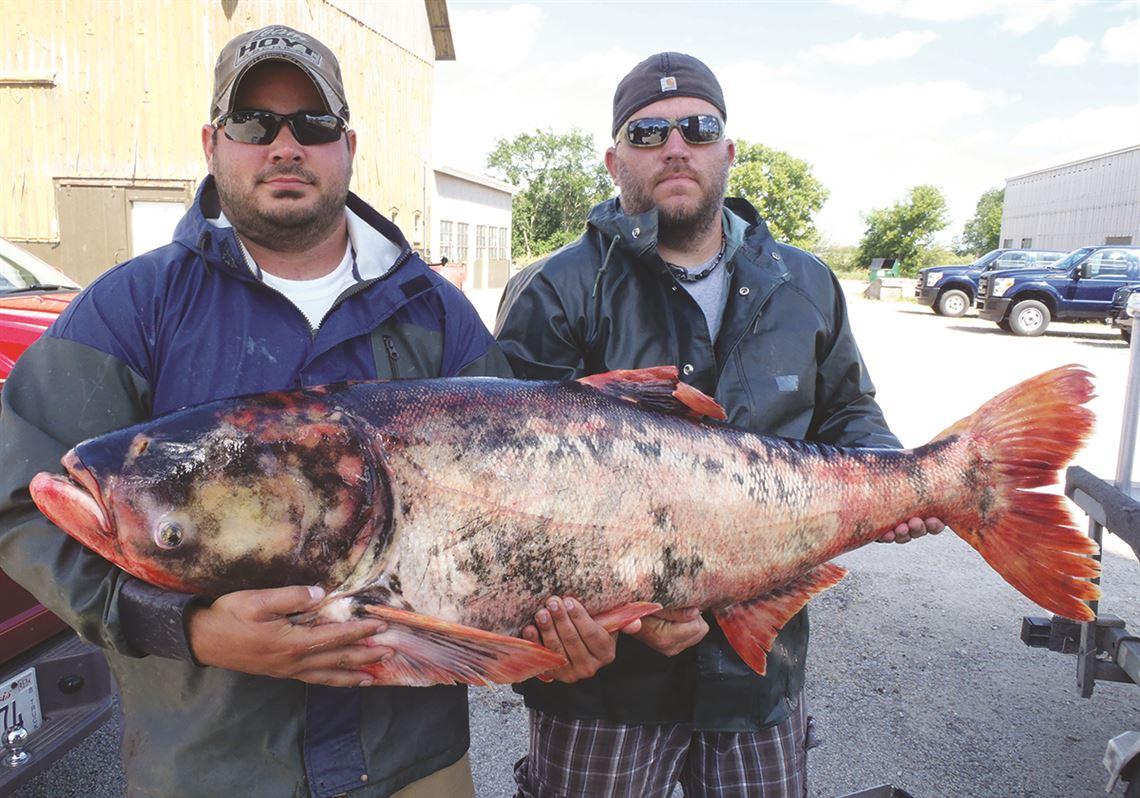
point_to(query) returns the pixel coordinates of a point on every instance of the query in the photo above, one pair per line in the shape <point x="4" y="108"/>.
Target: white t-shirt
<point x="368" y="255"/>
<point x="314" y="298"/>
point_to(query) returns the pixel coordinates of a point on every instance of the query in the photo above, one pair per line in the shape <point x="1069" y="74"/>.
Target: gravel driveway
<point x="916" y="673"/>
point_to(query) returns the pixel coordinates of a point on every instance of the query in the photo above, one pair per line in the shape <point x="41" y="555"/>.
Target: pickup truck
<point x="54" y="688"/>
<point x="950" y="290"/>
<point x="1117" y="315"/>
<point x="1079" y="286"/>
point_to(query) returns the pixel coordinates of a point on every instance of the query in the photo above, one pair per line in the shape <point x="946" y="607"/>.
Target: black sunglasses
<point x="262" y="127"/>
<point x="653" y="131"/>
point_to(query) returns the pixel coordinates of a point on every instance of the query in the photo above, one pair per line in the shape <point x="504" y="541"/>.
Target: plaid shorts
<point x="599" y="759"/>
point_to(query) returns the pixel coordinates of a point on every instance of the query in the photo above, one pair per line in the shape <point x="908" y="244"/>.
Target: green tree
<point x="782" y="188"/>
<point x="559" y="177"/>
<point x="905" y="230"/>
<point x="983" y="230"/>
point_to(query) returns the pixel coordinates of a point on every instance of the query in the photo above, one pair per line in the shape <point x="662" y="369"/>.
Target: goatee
<point x="676" y="229"/>
<point x="288" y="227"/>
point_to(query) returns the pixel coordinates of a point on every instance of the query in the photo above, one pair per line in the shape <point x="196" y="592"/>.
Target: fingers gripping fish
<point x="453" y="508"/>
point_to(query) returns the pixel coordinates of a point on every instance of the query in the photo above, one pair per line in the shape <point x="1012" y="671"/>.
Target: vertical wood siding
<point x="132" y="85"/>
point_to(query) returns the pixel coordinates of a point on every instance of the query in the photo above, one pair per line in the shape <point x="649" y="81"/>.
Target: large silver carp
<point x="453" y="508"/>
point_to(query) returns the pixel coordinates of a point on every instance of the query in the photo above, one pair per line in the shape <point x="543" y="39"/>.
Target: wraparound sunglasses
<point x="653" y="131"/>
<point x="262" y="127"/>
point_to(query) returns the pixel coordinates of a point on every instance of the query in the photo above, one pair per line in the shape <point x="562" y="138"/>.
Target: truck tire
<point x="953" y="303"/>
<point x="1028" y="317"/>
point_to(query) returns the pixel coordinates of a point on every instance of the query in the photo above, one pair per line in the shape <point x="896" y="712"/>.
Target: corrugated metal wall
<point x="1076" y="204"/>
<point x="119" y="89"/>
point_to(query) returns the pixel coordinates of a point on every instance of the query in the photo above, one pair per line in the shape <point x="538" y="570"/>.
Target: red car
<point x="54" y="688"/>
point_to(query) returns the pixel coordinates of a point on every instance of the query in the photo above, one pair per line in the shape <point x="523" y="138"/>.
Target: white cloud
<point x="1069" y="51"/>
<point x="868" y="146"/>
<point x="1090" y="131"/>
<point x="1122" y="43"/>
<point x="1018" y="16"/>
<point x="501" y="85"/>
<point x="496" y="41"/>
<point x="859" y="51"/>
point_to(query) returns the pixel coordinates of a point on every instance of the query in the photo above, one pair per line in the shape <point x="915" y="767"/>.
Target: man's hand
<point x="250" y="631"/>
<point x="914" y="528"/>
<point x="565" y="626"/>
<point x="671" y="631"/>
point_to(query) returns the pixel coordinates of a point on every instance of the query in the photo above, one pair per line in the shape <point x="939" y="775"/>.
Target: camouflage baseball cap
<point x="280" y="43"/>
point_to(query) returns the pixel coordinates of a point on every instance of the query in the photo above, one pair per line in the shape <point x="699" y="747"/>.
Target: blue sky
<point x="878" y="95"/>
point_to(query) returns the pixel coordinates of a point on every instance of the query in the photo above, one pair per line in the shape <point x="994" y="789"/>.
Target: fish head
<point x="281" y="489"/>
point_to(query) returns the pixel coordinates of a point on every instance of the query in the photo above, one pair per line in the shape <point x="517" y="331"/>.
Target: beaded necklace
<point x="686" y="276"/>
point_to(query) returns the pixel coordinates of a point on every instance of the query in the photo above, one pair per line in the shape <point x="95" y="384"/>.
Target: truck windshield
<point x="981" y="262"/>
<point x="1071" y="259"/>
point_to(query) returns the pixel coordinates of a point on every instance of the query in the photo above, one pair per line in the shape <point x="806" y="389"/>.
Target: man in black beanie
<point x="672" y="272"/>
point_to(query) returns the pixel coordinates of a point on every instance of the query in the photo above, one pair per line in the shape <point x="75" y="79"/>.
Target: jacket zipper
<point x="352" y="290"/>
<point x="754" y="324"/>
<point x="393" y="356"/>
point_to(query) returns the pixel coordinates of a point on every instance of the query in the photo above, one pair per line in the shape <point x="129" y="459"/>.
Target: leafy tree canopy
<point x="560" y="178"/>
<point x="906" y="229"/>
<point x="783" y="189"/>
<point x="983" y="230"/>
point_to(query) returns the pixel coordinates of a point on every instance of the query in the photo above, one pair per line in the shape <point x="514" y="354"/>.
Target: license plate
<point x="20" y="702"/>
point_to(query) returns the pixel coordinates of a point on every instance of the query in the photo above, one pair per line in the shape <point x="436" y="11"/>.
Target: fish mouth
<point x="75" y="504"/>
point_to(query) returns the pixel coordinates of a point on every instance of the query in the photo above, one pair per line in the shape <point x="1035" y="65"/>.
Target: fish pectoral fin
<point x="751" y="626"/>
<point x="658" y="388"/>
<point x="429" y="651"/>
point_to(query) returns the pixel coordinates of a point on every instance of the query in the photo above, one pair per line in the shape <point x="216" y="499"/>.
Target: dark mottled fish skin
<point x="509" y="492"/>
<point x="472" y="500"/>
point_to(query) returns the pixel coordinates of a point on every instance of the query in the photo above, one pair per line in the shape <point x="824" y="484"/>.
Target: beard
<point x="287" y="226"/>
<point x="679" y="227"/>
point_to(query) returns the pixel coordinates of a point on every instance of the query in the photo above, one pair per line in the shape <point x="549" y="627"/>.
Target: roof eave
<point x="440" y="30"/>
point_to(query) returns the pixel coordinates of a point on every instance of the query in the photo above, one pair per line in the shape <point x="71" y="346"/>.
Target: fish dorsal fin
<point x="751" y="626"/>
<point x="658" y="388"/>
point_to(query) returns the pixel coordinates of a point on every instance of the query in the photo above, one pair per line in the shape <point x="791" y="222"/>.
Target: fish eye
<point x="170" y="535"/>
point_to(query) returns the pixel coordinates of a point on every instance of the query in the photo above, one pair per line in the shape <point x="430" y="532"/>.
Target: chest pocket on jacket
<point x="775" y="366"/>
<point x="406" y="353"/>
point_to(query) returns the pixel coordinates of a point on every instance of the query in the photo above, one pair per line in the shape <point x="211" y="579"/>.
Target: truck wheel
<point x="953" y="303"/>
<point x="1028" y="317"/>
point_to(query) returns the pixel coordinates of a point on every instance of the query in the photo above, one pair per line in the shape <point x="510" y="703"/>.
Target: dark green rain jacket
<point x="784" y="363"/>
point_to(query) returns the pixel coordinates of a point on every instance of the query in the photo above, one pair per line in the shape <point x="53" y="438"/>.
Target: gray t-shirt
<point x="711" y="293"/>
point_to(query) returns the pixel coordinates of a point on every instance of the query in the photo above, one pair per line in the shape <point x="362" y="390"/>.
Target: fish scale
<point x="453" y="508"/>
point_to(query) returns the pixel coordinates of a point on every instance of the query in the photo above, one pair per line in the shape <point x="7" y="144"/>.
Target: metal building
<point x="1091" y="201"/>
<point x="473" y="225"/>
<point x="103" y="105"/>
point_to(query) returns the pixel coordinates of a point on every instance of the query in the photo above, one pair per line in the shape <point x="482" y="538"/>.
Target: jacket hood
<point x="638" y="232"/>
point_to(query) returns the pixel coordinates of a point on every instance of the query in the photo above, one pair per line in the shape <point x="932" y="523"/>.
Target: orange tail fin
<point x="1023" y="437"/>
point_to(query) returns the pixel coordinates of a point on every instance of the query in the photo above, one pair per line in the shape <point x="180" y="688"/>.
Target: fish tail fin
<point x="1019" y="440"/>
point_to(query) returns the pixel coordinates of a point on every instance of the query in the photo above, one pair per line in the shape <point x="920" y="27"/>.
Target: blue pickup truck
<point x="1117" y="314"/>
<point x="1079" y="286"/>
<point x="950" y="290"/>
